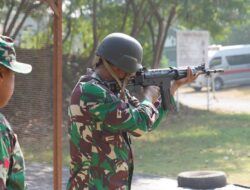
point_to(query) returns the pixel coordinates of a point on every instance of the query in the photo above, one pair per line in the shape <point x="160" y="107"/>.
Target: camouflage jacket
<point x="12" y="176"/>
<point x="100" y="125"/>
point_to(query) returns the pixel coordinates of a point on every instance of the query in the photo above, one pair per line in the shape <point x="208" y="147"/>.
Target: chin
<point x="3" y="104"/>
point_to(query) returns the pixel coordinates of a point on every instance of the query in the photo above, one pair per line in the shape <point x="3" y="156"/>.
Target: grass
<point x="191" y="140"/>
<point x="41" y="150"/>
<point x="197" y="140"/>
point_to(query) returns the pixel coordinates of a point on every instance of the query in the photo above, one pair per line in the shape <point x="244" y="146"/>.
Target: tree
<point x="234" y="38"/>
<point x="163" y="15"/>
<point x="86" y="22"/>
<point x="216" y="16"/>
<point x="14" y="13"/>
<point x="239" y="34"/>
<point x="128" y="16"/>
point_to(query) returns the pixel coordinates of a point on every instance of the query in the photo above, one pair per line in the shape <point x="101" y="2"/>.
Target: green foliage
<point x="147" y="50"/>
<point x="235" y="38"/>
<point x="217" y="17"/>
<point x="80" y="41"/>
<point x="37" y="40"/>
<point x="239" y="34"/>
<point x="164" y="62"/>
<point x="14" y="14"/>
<point x="223" y="19"/>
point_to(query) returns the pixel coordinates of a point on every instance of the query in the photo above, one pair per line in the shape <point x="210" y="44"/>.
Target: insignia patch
<point x="119" y="114"/>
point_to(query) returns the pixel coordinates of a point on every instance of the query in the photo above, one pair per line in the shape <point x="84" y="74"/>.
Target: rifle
<point x="163" y="77"/>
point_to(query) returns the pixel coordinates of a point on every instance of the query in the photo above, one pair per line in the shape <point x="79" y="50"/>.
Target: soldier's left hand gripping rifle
<point x="163" y="77"/>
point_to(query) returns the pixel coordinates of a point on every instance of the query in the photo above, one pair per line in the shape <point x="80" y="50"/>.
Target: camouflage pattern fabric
<point x="8" y="56"/>
<point x="100" y="125"/>
<point x="12" y="176"/>
<point x="7" y="51"/>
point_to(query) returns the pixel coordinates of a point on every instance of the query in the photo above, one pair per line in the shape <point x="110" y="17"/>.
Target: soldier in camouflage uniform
<point x="12" y="176"/>
<point x="102" y="118"/>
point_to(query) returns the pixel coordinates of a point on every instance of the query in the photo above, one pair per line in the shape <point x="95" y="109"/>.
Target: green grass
<point x="195" y="140"/>
<point x="191" y="140"/>
<point x="42" y="150"/>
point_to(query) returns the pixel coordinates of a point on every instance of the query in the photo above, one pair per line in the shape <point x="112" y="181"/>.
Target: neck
<point x="103" y="73"/>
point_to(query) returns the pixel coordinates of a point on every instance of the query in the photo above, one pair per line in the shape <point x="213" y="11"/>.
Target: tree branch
<point x="151" y="30"/>
<point x="163" y="27"/>
<point x="69" y="23"/>
<point x="16" y="16"/>
<point x="95" y="38"/>
<point x="155" y="9"/>
<point x="146" y="16"/>
<point x="124" y="20"/>
<point x="137" y="12"/>
<point x="27" y="13"/>
<point x="12" y="4"/>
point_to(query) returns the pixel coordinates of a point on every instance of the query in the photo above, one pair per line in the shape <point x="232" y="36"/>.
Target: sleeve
<point x="17" y="178"/>
<point x="11" y="159"/>
<point x="163" y="112"/>
<point x="4" y="160"/>
<point x="116" y="115"/>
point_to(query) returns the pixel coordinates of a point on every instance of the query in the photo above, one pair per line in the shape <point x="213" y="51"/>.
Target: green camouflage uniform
<point x="11" y="159"/>
<point x="100" y="125"/>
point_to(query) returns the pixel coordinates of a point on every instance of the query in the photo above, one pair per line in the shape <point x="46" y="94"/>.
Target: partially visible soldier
<point x="12" y="174"/>
<point x="102" y="118"/>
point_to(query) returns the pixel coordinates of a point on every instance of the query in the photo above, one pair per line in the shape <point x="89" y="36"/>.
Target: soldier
<point x="12" y="174"/>
<point x="102" y="118"/>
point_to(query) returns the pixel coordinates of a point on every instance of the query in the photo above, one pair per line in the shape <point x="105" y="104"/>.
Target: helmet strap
<point x="121" y="84"/>
<point x="95" y="61"/>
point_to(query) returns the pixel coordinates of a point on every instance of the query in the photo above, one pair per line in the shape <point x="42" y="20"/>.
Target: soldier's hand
<point x="190" y="78"/>
<point x="152" y="93"/>
<point x="134" y="101"/>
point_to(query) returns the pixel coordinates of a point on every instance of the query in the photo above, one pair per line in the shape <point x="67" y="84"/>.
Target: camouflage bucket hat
<point x="8" y="56"/>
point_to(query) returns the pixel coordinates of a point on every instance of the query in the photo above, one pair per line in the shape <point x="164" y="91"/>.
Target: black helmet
<point x="121" y="50"/>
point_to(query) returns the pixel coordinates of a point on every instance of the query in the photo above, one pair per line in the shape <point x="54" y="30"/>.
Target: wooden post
<point x="58" y="97"/>
<point x="56" y="6"/>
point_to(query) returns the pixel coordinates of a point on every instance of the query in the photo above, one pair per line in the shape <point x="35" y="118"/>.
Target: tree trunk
<point x="12" y="5"/>
<point x="26" y="14"/>
<point x="125" y="16"/>
<point x="14" y="20"/>
<point x="95" y="38"/>
<point x="163" y="27"/>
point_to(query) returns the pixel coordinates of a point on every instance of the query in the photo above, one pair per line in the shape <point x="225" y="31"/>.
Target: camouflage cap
<point x="8" y="56"/>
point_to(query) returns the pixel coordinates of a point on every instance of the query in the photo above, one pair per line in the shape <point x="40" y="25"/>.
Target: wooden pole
<point x="56" y="6"/>
<point x="57" y="113"/>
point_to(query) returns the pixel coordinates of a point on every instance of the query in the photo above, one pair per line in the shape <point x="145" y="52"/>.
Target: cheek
<point x="8" y="89"/>
<point x="122" y="75"/>
<point x="12" y="86"/>
<point x="5" y="95"/>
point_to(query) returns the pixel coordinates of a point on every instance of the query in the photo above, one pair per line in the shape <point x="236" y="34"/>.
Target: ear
<point x="1" y="72"/>
<point x="1" y="81"/>
<point x="1" y="75"/>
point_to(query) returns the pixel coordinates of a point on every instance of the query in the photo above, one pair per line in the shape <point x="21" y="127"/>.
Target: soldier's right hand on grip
<point x="152" y="93"/>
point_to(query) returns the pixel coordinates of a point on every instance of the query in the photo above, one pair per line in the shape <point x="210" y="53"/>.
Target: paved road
<point x="234" y="100"/>
<point x="40" y="177"/>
